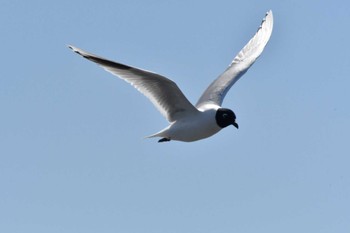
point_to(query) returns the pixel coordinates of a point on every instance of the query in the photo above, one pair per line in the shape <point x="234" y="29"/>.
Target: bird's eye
<point x="224" y="115"/>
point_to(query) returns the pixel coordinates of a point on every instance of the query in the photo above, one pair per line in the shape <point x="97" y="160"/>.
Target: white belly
<point x="192" y="132"/>
<point x="192" y="128"/>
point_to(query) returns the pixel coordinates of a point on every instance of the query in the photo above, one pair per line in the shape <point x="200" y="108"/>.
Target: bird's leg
<point x="164" y="140"/>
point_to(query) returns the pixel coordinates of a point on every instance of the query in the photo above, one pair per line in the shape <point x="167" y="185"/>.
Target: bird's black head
<point x="225" y="117"/>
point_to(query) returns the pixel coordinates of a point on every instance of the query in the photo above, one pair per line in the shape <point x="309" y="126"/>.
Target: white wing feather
<point x="217" y="90"/>
<point x="162" y="92"/>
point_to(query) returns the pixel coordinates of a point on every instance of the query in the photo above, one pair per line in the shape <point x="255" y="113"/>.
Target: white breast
<point x="196" y="127"/>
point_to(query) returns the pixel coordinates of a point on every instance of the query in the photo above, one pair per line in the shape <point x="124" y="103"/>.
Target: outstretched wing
<point x="217" y="90"/>
<point x="162" y="92"/>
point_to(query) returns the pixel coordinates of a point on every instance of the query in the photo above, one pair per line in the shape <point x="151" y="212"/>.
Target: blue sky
<point x="72" y="153"/>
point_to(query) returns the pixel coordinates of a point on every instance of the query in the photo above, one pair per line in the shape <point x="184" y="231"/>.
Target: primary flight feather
<point x="188" y="122"/>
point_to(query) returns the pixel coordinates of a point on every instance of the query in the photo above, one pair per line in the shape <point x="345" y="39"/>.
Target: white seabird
<point x="188" y="122"/>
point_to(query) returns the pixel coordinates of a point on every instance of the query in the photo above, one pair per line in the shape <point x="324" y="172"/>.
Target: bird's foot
<point x="164" y="140"/>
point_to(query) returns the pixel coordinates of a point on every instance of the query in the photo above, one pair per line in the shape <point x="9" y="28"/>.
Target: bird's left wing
<point x="162" y="92"/>
<point x="217" y="90"/>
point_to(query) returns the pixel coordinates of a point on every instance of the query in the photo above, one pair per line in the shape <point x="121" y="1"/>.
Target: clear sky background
<point x="72" y="153"/>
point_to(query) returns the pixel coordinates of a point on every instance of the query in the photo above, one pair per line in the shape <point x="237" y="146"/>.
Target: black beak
<point x="235" y="125"/>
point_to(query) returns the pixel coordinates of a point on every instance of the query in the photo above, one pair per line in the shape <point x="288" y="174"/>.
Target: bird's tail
<point x="162" y="133"/>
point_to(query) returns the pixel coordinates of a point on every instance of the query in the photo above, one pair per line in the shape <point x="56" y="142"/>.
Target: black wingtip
<point x="164" y="140"/>
<point x="74" y="49"/>
<point x="99" y="60"/>
<point x="71" y="47"/>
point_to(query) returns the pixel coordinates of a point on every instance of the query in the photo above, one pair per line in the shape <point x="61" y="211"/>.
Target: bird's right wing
<point x="217" y="90"/>
<point x="162" y="92"/>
